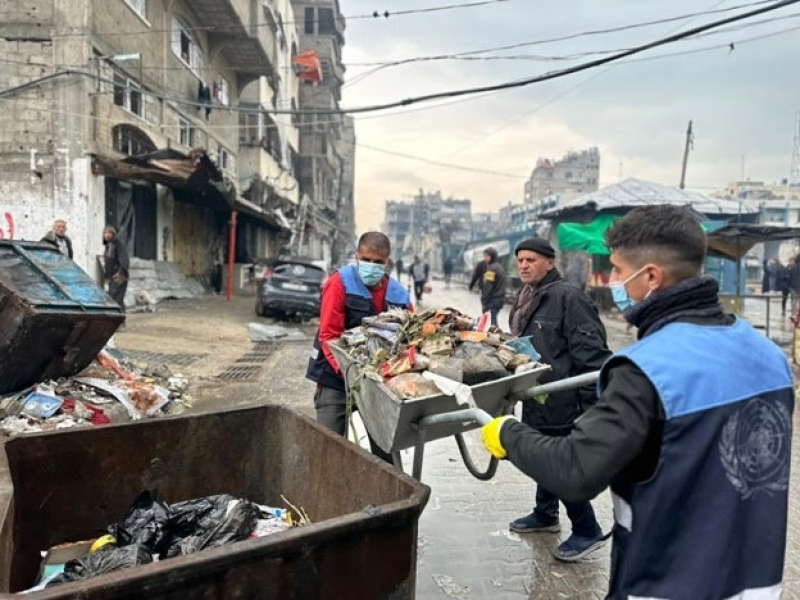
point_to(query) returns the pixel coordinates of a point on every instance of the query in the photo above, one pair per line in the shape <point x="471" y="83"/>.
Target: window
<point x="187" y="134"/>
<point x="131" y="141"/>
<point x="222" y="91"/>
<point x="326" y="25"/>
<point x="128" y="95"/>
<point x="140" y="6"/>
<point x="185" y="47"/>
<point x="569" y="175"/>
<point x="223" y="158"/>
<point x="309" y="26"/>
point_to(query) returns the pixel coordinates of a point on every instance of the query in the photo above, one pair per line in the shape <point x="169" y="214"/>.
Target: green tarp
<point x="588" y="237"/>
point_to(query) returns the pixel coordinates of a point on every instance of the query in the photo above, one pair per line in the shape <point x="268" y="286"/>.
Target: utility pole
<point x="689" y="146"/>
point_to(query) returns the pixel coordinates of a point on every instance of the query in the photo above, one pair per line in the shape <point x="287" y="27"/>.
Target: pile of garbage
<point x="154" y="530"/>
<point x="411" y="351"/>
<point x="107" y="391"/>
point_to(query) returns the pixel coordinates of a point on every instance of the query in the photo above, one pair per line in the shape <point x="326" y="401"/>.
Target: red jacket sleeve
<point x="331" y="317"/>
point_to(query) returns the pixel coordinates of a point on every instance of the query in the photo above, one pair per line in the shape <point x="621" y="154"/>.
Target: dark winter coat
<point x="566" y="330"/>
<point x="50" y="238"/>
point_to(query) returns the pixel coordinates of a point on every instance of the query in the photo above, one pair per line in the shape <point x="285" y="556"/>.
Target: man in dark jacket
<point x="566" y="330"/>
<point x="692" y="431"/>
<point x="477" y="275"/>
<point x="352" y="293"/>
<point x="493" y="286"/>
<point x="116" y="265"/>
<point x="57" y="237"/>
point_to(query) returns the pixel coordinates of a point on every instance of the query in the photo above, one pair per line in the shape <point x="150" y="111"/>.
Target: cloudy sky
<point x="742" y="102"/>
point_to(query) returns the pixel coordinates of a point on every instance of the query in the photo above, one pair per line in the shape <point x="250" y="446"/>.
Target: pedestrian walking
<point x="419" y="272"/>
<point x="58" y="238"/>
<point x="116" y="265"/>
<point x="493" y="286"/>
<point x="352" y="293"/>
<point x="400" y="268"/>
<point x="448" y="271"/>
<point x="783" y="281"/>
<point x="565" y="328"/>
<point x="692" y="432"/>
<point x="578" y="270"/>
<point x="477" y="275"/>
<point x="766" y="267"/>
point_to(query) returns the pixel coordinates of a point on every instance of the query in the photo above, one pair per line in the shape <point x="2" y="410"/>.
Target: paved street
<point x="465" y="548"/>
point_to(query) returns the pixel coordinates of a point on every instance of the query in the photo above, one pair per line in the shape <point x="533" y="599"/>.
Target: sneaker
<point x="534" y="523"/>
<point x="576" y="547"/>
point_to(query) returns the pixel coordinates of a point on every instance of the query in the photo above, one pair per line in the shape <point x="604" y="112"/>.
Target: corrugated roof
<point x="636" y="192"/>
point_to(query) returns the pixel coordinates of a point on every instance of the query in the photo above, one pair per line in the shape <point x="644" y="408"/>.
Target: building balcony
<point x="240" y="34"/>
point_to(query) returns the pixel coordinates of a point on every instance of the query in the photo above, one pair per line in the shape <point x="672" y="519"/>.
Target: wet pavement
<point x="465" y="548"/>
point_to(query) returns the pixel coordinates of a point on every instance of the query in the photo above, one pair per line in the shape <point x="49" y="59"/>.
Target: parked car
<point x="290" y="286"/>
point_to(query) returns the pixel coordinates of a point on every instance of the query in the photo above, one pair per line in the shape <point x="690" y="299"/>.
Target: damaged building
<point x="154" y="117"/>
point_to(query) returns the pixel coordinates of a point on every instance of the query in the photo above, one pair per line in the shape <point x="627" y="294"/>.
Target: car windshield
<point x="298" y="271"/>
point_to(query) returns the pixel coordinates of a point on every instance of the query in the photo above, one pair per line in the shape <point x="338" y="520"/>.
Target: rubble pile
<point x="409" y="350"/>
<point x="107" y="391"/>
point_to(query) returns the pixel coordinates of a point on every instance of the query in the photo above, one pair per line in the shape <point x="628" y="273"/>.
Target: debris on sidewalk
<point x="153" y="531"/>
<point x="109" y="390"/>
<point x="401" y="346"/>
<point x="273" y="333"/>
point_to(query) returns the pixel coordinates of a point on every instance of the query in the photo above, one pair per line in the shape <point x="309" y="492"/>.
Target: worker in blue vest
<point x="352" y="293"/>
<point x="692" y="430"/>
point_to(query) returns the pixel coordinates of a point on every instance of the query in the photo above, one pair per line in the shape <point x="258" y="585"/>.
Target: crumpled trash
<point x="41" y="404"/>
<point x="146" y="524"/>
<point x="462" y="392"/>
<point x="480" y="363"/>
<point x="210" y="522"/>
<point x="140" y="399"/>
<point x="412" y="385"/>
<point x="272" y="333"/>
<point x="102" y="562"/>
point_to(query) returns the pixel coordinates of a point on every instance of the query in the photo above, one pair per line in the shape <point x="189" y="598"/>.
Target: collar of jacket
<point x="552" y="276"/>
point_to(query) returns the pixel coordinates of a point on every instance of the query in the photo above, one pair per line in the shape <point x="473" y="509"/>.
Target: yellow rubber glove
<point x="491" y="436"/>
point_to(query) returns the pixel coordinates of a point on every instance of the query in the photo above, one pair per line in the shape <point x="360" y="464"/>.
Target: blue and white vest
<point x="711" y="521"/>
<point x="358" y="304"/>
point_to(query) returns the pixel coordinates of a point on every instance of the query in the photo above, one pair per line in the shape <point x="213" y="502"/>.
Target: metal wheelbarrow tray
<point x="68" y="486"/>
<point x="396" y="424"/>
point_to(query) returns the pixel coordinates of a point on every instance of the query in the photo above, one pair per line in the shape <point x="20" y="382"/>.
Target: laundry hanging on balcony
<point x="308" y="67"/>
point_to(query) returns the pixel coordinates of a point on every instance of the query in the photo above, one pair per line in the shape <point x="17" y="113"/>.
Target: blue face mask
<point x="371" y="273"/>
<point x="620" y="294"/>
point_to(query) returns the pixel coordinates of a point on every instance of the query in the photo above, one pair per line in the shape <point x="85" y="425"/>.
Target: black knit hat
<point x="538" y="245"/>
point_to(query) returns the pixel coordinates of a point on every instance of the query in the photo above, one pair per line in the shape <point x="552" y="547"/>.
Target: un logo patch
<point x="755" y="448"/>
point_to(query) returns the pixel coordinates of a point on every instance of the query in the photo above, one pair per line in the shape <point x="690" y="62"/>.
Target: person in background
<point x="419" y="272"/>
<point x="352" y="293"/>
<point x="493" y="286"/>
<point x="578" y="270"/>
<point x="566" y="330"/>
<point x="448" y="271"/>
<point x="477" y="275"/>
<point x="794" y="284"/>
<point x="783" y="281"/>
<point x="692" y="432"/>
<point x="116" y="265"/>
<point x="58" y="238"/>
<point x="400" y="268"/>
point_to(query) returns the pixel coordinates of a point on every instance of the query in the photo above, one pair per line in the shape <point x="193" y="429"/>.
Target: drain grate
<point x="259" y="354"/>
<point x="239" y="373"/>
<point x="154" y="358"/>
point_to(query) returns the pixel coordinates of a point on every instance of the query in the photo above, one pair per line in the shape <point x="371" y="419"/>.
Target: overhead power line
<point x="386" y="14"/>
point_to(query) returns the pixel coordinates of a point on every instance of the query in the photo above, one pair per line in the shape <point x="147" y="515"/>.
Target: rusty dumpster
<point x="68" y="486"/>
<point x="54" y="318"/>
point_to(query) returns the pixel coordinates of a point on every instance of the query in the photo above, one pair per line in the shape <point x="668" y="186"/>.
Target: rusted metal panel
<point x="70" y="485"/>
<point x="54" y="319"/>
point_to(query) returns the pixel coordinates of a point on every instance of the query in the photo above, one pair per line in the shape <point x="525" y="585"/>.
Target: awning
<point x="735" y="240"/>
<point x="194" y="178"/>
<point x="589" y="237"/>
<point x="266" y="216"/>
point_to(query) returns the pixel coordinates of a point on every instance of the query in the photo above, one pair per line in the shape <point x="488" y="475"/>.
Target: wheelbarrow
<point x="396" y="424"/>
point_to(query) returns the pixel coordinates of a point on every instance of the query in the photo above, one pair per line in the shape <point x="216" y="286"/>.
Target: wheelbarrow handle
<point x="566" y="384"/>
<point x="457" y="416"/>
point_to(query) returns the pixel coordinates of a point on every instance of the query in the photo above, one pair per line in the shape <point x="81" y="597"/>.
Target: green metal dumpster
<point x="54" y="318"/>
<point x="68" y="486"/>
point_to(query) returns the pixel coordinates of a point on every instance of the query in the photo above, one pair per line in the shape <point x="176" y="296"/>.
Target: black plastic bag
<point x="147" y="523"/>
<point x="102" y="562"/>
<point x="209" y="522"/>
<point x="480" y="364"/>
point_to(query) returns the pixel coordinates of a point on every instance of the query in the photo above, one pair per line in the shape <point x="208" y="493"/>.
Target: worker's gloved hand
<point x="491" y="436"/>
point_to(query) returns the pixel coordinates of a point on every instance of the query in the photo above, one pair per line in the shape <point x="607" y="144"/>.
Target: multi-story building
<point x="127" y="112"/>
<point x="575" y="174"/>
<point x="324" y="158"/>
<point x="428" y="220"/>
